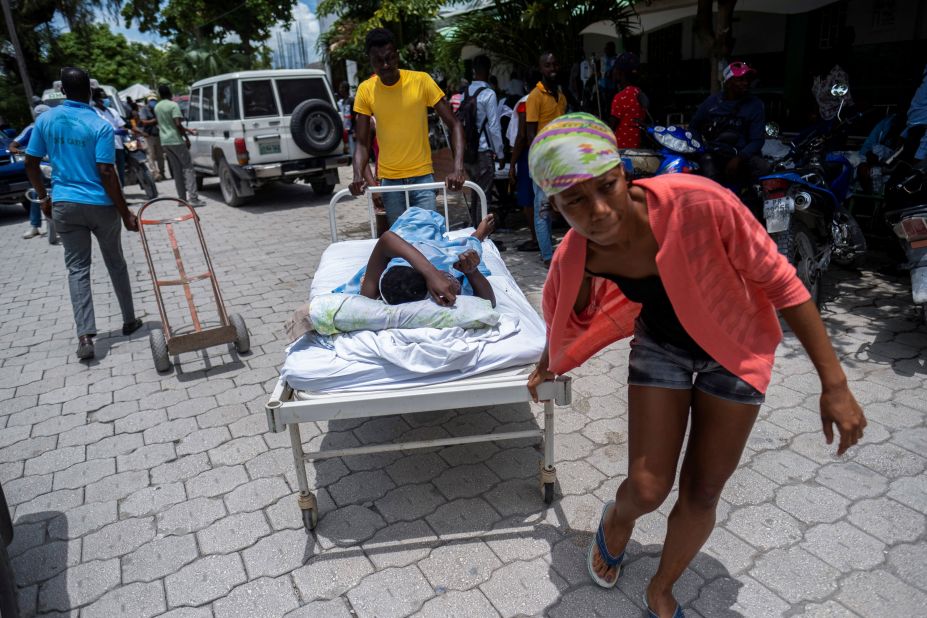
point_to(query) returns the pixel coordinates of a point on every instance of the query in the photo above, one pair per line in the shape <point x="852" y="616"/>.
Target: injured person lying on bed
<point x="418" y="306"/>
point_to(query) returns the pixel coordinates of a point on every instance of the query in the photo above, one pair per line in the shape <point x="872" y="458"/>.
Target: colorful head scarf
<point x="571" y="149"/>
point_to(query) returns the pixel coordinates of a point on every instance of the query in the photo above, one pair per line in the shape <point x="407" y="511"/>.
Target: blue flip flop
<point x="652" y="614"/>
<point x="610" y="560"/>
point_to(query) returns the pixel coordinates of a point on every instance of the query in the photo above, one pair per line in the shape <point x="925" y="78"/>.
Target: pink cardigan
<point x="721" y="270"/>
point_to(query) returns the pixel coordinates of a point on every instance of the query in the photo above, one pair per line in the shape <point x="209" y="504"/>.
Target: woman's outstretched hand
<point x="538" y="377"/>
<point x="839" y="407"/>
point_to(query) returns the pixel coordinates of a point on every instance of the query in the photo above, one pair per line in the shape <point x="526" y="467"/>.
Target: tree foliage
<point x="196" y="23"/>
<point x="517" y="31"/>
<point x="108" y="57"/>
<point x="717" y="35"/>
<point x="411" y="21"/>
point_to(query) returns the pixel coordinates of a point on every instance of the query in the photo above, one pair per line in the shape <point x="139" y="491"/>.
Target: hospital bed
<point x="372" y="391"/>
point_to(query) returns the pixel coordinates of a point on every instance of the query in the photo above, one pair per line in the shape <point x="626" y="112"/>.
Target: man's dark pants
<point x="75" y="223"/>
<point x="482" y="172"/>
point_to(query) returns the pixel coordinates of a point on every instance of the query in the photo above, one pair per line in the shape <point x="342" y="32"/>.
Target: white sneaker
<point x="33" y="232"/>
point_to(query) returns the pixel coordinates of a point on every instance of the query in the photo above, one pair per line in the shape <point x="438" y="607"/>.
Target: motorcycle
<point x="137" y="168"/>
<point x="677" y="153"/>
<point x="907" y="216"/>
<point x="802" y="206"/>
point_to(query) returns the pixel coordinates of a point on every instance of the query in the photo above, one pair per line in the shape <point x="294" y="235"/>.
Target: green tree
<point x="197" y="23"/>
<point x="518" y="30"/>
<point x="410" y="21"/>
<point x="108" y="57"/>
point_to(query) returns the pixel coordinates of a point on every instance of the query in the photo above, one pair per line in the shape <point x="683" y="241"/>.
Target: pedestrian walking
<point x="176" y="145"/>
<point x="149" y="125"/>
<point x="545" y="102"/>
<point x="87" y="200"/>
<point x="479" y="115"/>
<point x="101" y="104"/>
<point x="398" y="100"/>
<point x="17" y="146"/>
<point x="680" y="263"/>
<point x="346" y="110"/>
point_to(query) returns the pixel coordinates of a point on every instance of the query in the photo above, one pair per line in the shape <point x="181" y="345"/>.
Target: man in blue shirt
<point x="88" y="200"/>
<point x="735" y="118"/>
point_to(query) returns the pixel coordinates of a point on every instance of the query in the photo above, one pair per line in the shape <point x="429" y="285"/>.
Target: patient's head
<point x="402" y="284"/>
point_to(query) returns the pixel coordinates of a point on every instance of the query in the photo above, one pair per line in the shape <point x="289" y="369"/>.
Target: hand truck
<point x="164" y="341"/>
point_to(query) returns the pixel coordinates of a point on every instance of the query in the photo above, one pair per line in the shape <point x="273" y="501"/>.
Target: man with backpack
<point x="478" y="114"/>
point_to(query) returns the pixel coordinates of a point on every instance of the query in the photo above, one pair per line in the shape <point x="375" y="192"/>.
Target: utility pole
<point x="14" y="39"/>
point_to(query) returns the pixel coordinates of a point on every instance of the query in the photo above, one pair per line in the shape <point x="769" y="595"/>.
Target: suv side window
<point x="194" y="113"/>
<point x="258" y="98"/>
<point x="227" y="95"/>
<point x="208" y="104"/>
<point x="294" y="91"/>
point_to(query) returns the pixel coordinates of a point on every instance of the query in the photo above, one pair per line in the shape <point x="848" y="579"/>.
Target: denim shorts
<point x="663" y="365"/>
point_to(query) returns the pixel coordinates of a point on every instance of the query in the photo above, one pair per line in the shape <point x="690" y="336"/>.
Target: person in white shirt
<point x="100" y="101"/>
<point x="491" y="148"/>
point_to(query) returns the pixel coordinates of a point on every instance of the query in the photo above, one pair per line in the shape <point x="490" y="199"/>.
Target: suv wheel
<point x="316" y="127"/>
<point x="322" y="188"/>
<point x="227" y="186"/>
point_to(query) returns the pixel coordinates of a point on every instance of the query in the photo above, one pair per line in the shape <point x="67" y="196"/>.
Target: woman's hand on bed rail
<point x="538" y="377"/>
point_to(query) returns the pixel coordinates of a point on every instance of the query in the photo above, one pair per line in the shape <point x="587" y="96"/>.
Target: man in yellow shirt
<point x="544" y="103"/>
<point x="399" y="100"/>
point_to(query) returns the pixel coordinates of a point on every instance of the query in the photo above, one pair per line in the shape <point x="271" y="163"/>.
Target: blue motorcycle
<point x="677" y="153"/>
<point x="803" y="208"/>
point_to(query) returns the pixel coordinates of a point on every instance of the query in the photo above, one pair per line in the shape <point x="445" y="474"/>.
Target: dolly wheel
<point x="242" y="338"/>
<point x="162" y="361"/>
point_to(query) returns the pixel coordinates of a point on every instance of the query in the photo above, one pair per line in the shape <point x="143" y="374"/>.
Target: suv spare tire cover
<point x="316" y="127"/>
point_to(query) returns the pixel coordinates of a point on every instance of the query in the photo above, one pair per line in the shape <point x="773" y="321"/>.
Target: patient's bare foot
<point x="486" y="227"/>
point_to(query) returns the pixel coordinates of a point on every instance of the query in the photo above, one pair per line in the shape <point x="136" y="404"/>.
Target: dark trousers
<point x="482" y="172"/>
<point x="75" y="223"/>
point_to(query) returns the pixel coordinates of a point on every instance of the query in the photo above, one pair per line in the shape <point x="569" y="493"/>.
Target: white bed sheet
<point x="393" y="359"/>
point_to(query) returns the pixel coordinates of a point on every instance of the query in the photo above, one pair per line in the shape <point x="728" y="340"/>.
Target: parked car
<point x="13" y="180"/>
<point x="256" y="127"/>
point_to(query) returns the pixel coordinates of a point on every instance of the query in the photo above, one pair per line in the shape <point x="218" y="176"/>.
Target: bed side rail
<point x="344" y="193"/>
<point x="285" y="407"/>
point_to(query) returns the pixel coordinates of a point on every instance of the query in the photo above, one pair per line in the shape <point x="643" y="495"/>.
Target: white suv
<point x="254" y="127"/>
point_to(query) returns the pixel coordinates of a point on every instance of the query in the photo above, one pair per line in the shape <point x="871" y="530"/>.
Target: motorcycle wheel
<point x="798" y="246"/>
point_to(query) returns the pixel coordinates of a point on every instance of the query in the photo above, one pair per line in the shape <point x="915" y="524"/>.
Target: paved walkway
<point x="136" y="494"/>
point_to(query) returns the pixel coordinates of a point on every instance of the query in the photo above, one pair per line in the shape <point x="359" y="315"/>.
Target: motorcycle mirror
<point x="772" y="129"/>
<point x="839" y="90"/>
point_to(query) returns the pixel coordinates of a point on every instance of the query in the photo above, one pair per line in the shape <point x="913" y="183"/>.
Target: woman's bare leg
<point x="657" y="419"/>
<point x="720" y="429"/>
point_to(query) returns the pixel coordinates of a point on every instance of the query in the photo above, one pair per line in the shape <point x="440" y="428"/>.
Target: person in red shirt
<point x="629" y="107"/>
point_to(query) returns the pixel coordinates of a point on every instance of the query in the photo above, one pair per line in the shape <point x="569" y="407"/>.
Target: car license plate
<point x="269" y="148"/>
<point x="778" y="214"/>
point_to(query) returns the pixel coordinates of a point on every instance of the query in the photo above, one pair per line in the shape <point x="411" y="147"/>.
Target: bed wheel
<point x="309" y="508"/>
<point x="242" y="338"/>
<point x="310" y="520"/>
<point x="162" y="361"/>
<point x="548" y="493"/>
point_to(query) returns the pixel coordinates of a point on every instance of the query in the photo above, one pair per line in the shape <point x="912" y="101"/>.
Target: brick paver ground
<point x="141" y="494"/>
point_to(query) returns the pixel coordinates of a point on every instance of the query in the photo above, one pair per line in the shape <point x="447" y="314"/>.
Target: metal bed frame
<point x="288" y="407"/>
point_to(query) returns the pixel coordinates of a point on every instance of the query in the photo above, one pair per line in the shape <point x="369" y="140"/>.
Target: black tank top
<point x="657" y="311"/>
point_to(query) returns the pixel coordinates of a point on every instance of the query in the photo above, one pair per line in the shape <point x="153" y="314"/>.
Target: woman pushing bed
<point x="414" y="260"/>
<point x="681" y="265"/>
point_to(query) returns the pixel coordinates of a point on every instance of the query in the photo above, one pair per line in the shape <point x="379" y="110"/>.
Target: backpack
<point x="466" y="115"/>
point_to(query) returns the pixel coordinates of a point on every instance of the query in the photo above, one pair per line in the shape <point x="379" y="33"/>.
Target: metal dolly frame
<point x="164" y="343"/>
<point x="288" y="407"/>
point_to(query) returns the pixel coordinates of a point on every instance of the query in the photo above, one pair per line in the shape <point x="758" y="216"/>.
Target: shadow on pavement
<point x="40" y="554"/>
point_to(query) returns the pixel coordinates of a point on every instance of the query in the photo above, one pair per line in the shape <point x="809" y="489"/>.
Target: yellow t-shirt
<point x="541" y="106"/>
<point x="401" y="112"/>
